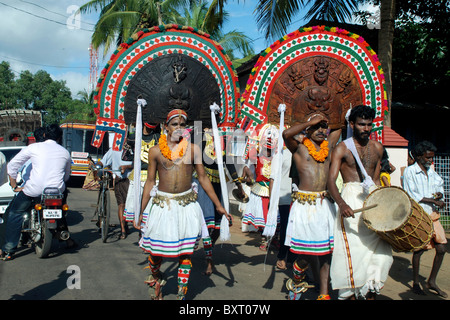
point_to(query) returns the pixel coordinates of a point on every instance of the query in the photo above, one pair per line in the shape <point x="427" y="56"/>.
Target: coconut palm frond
<point x="273" y="17"/>
<point x="332" y="10"/>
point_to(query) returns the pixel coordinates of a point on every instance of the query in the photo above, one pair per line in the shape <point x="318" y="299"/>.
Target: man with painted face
<point x="257" y="208"/>
<point x="361" y="259"/>
<point x="175" y="220"/>
<point x="311" y="218"/>
<point x="426" y="187"/>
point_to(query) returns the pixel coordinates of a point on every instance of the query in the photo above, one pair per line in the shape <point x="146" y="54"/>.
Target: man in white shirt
<point x="50" y="168"/>
<point x="426" y="187"/>
<point x="284" y="254"/>
<point x="121" y="170"/>
<point x="3" y="173"/>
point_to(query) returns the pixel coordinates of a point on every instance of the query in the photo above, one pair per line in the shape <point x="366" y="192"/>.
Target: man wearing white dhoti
<point x="361" y="260"/>
<point x="175" y="219"/>
<point x="310" y="226"/>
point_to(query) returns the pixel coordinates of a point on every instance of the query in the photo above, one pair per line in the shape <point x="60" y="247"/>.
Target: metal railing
<point x="442" y="167"/>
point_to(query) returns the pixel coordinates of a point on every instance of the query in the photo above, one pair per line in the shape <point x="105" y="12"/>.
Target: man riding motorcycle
<point x="50" y="167"/>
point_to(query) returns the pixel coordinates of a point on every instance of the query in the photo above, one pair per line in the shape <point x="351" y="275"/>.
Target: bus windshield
<point x="77" y="138"/>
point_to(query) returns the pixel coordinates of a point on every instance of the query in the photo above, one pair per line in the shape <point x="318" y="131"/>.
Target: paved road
<point x="115" y="270"/>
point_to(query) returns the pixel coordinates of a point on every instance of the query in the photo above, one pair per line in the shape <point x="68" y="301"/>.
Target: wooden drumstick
<point x="365" y="208"/>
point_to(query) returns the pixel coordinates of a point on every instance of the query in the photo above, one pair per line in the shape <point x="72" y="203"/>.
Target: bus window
<point x="77" y="138"/>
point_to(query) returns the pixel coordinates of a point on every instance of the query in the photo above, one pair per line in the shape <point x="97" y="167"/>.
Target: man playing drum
<point x="311" y="218"/>
<point x="361" y="259"/>
<point x="175" y="220"/>
<point x="425" y="186"/>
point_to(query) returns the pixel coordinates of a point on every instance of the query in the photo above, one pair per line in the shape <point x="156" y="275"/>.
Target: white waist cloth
<point x="361" y="259"/>
<point x="311" y="226"/>
<point x="172" y="230"/>
<point x="129" y="211"/>
<point x="254" y="212"/>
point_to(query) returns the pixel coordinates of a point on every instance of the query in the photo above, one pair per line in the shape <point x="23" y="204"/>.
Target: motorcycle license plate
<point x="52" y="213"/>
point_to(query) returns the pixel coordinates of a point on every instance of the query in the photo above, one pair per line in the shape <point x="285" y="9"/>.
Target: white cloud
<point x="38" y="36"/>
<point x="74" y="80"/>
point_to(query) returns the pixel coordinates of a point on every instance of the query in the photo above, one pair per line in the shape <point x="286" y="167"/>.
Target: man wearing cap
<point x="175" y="220"/>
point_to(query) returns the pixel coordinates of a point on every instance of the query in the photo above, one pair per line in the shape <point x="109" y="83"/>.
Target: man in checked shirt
<point x="426" y="187"/>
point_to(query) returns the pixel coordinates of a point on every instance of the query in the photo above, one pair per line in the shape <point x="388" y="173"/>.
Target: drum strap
<point x="368" y="182"/>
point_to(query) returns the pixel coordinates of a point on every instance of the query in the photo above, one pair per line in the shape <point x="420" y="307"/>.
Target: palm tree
<point x="199" y="16"/>
<point x="119" y="19"/>
<point x="273" y="17"/>
<point x="385" y="43"/>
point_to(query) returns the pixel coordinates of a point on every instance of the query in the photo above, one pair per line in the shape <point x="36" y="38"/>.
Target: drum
<point x="397" y="219"/>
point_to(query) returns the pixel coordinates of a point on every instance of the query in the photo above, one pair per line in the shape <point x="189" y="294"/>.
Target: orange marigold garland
<point x="320" y="155"/>
<point x="179" y="151"/>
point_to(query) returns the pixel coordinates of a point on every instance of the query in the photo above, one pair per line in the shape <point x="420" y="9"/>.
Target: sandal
<point x="296" y="289"/>
<point x="155" y="285"/>
<point x="123" y="236"/>
<point x="181" y="295"/>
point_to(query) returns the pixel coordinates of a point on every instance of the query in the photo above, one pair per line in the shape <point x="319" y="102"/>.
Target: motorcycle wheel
<point x="43" y="246"/>
<point x="105" y="215"/>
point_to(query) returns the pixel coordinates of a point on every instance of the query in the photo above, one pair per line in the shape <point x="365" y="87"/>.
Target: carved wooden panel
<point x="316" y="84"/>
<point x="172" y="81"/>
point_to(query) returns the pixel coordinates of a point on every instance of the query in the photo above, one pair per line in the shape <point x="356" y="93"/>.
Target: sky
<point x="47" y="35"/>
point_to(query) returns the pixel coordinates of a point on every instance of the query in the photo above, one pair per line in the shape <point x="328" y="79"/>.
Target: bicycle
<point x="103" y="208"/>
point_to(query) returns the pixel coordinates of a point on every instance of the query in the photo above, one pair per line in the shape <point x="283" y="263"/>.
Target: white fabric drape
<point x="368" y="182"/>
<point x="137" y="159"/>
<point x="224" y="224"/>
<point x="272" y="215"/>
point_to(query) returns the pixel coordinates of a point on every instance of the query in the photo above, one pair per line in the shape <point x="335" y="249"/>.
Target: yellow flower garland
<point x="319" y="156"/>
<point x="179" y="151"/>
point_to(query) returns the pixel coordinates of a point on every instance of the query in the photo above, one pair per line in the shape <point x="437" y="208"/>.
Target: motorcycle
<point x="42" y="223"/>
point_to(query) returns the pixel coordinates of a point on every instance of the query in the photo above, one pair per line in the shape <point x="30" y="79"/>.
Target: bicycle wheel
<point x="105" y="215"/>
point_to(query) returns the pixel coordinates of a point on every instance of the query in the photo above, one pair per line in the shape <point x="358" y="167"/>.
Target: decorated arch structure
<point x="314" y="70"/>
<point x="171" y="67"/>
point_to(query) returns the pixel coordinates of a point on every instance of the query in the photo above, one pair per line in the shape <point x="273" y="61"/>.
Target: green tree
<point x="422" y="75"/>
<point x="78" y="110"/>
<point x="119" y="19"/>
<point x="41" y="93"/>
<point x="196" y="16"/>
<point x="274" y="16"/>
<point x="23" y="90"/>
<point x="7" y="82"/>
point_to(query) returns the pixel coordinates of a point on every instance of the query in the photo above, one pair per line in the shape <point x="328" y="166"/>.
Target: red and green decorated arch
<point x="285" y="73"/>
<point x="144" y="48"/>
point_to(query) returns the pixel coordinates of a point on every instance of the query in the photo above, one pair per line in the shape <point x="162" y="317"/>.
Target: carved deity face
<point x="321" y="70"/>
<point x="179" y="97"/>
<point x="296" y="76"/>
